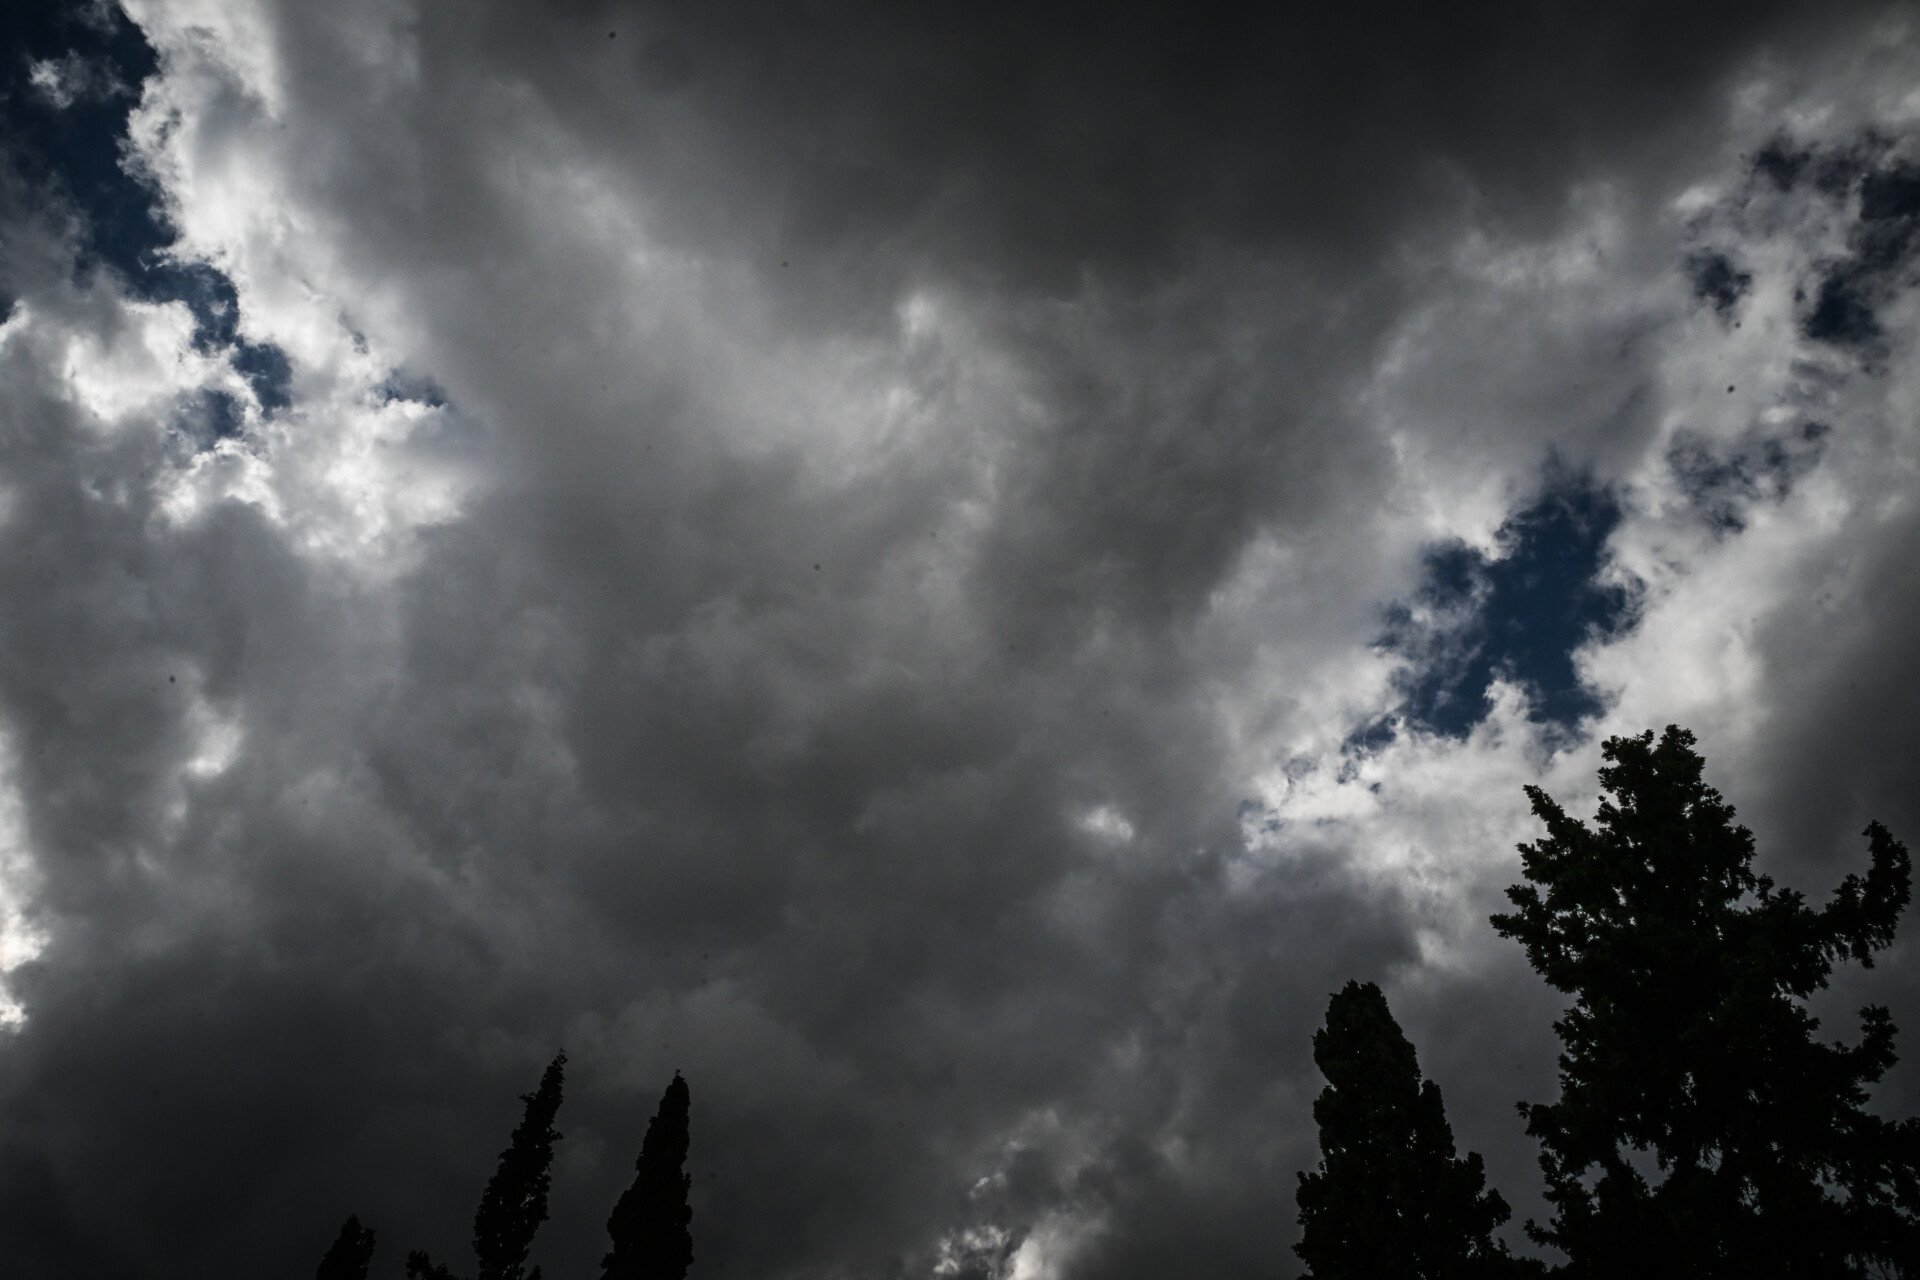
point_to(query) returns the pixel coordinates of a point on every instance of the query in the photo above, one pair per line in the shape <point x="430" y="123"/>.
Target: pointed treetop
<point x="651" y="1224"/>
<point x="1391" y="1199"/>
<point x="515" y="1201"/>
<point x="351" y="1254"/>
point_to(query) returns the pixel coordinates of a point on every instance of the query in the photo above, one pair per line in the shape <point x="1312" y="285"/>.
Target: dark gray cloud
<point x="837" y="551"/>
<point x="1019" y="147"/>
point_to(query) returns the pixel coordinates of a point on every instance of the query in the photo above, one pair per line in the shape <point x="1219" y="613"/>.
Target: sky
<point x="949" y="572"/>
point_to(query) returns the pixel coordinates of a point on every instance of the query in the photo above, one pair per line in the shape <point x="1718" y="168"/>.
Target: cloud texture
<point x="948" y="577"/>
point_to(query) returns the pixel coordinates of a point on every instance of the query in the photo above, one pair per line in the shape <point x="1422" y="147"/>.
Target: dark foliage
<point x="515" y="1202"/>
<point x="1391" y="1199"/>
<point x="1702" y="1130"/>
<point x="651" y="1223"/>
<point x="421" y="1267"/>
<point x="351" y="1254"/>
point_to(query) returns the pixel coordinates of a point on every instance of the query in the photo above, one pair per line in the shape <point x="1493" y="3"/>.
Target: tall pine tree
<point x="1701" y="1129"/>
<point x="651" y="1224"/>
<point x="1391" y="1200"/>
<point x="515" y="1202"/>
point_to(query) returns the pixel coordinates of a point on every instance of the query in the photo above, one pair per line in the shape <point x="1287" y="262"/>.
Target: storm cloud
<point x="948" y="574"/>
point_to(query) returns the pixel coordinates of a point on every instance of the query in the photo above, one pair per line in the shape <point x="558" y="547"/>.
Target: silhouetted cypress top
<point x="650" y="1225"/>
<point x="351" y="1254"/>
<point x="1390" y="1199"/>
<point x="1689" y="1046"/>
<point x="515" y="1201"/>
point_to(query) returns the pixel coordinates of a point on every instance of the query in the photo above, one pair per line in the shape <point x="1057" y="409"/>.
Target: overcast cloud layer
<point x="950" y="577"/>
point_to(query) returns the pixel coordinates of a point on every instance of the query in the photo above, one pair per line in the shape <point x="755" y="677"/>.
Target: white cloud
<point x="21" y="939"/>
<point x="70" y="79"/>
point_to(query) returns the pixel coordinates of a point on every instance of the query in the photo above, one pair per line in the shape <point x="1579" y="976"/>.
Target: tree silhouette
<point x="351" y="1254"/>
<point x="421" y="1267"/>
<point x="515" y="1202"/>
<point x="650" y="1224"/>
<point x="1701" y="1129"/>
<point x="1390" y="1199"/>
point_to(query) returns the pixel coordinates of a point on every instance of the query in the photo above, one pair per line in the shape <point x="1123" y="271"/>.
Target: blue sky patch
<point x="267" y="371"/>
<point x="214" y="416"/>
<point x="1519" y="615"/>
<point x="68" y="82"/>
<point x="402" y="385"/>
<point x="1723" y="481"/>
<point x="1840" y="306"/>
<point x="70" y="78"/>
<point x="1716" y="280"/>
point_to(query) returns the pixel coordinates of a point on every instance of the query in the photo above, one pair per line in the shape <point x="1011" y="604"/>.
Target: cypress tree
<point x="1701" y="1129"/>
<point x="650" y="1225"/>
<point x="351" y="1254"/>
<point x="1391" y="1200"/>
<point x="515" y="1202"/>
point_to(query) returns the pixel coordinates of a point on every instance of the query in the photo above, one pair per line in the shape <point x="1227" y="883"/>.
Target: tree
<point x="351" y="1254"/>
<point x="1701" y="1129"/>
<point x="1390" y="1199"/>
<point x="515" y="1202"/>
<point x="422" y="1267"/>
<point x="651" y="1223"/>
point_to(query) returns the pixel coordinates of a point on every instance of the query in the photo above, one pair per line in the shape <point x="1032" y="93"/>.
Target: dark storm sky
<point x="949" y="571"/>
